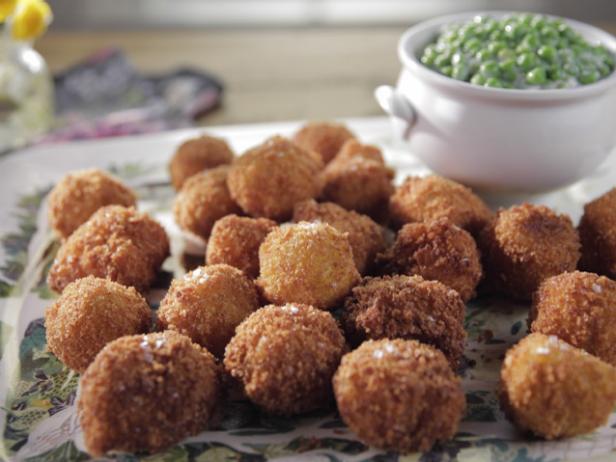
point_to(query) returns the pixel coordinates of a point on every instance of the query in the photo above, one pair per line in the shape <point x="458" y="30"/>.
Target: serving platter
<point x="38" y="418"/>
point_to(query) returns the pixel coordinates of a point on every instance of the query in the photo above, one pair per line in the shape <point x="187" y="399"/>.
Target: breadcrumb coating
<point x="207" y="304"/>
<point x="116" y="243"/>
<point x="598" y="235"/>
<point x="399" y="395"/>
<point x="579" y="308"/>
<point x="554" y="389"/>
<point x="407" y="307"/>
<point x="90" y="313"/>
<point x="365" y="236"/>
<point x="203" y="200"/>
<point x="144" y="393"/>
<point x="81" y="193"/>
<point x="309" y="263"/>
<point x="325" y="138"/>
<point x="285" y="357"/>
<point x="436" y="250"/>
<point x="269" y="179"/>
<point x="525" y="245"/>
<point x="198" y="154"/>
<point x="235" y="241"/>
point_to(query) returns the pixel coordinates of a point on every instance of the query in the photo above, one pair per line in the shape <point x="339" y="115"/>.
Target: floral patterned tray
<point x="38" y="418"/>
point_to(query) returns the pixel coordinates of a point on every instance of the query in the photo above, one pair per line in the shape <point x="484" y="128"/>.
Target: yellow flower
<point x="30" y="19"/>
<point x="6" y="8"/>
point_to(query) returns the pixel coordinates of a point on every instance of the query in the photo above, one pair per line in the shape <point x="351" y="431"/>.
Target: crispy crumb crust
<point x="365" y="236"/>
<point x="579" y="308"/>
<point x="81" y="193"/>
<point x="198" y="154"/>
<point x="116" y="243"/>
<point x="207" y="304"/>
<point x="525" y="245"/>
<point x="146" y="393"/>
<point x="324" y="138"/>
<point x="554" y="389"/>
<point x="285" y="357"/>
<point x="407" y="307"/>
<point x="399" y="395"/>
<point x="90" y="313"/>
<point x="235" y="241"/>
<point x="598" y="235"/>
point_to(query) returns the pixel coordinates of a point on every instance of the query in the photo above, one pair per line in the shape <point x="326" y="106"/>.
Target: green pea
<point x="506" y="53"/>
<point x="571" y="69"/>
<point x="483" y="55"/>
<point x="495" y="47"/>
<point x="489" y="68"/>
<point x="527" y="61"/>
<point x="456" y="58"/>
<point x="442" y="60"/>
<point x="547" y="52"/>
<point x="588" y="76"/>
<point x="446" y="70"/>
<point x="536" y="76"/>
<point x="478" y="79"/>
<point x="460" y="72"/>
<point x="493" y="82"/>
<point x="549" y="33"/>
<point x="537" y="22"/>
<point x="472" y="45"/>
<point x="508" y="70"/>
<point x="556" y="74"/>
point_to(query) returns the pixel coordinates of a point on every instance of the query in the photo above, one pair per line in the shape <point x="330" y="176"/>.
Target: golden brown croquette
<point x="269" y="179"/>
<point x="309" y="263"/>
<point x="235" y="241"/>
<point x="436" y="250"/>
<point x="285" y="357"/>
<point x="525" y="245"/>
<point x="79" y="194"/>
<point x="207" y="304"/>
<point x="144" y="393"/>
<point x="90" y="313"/>
<point x="579" y="308"/>
<point x="407" y="307"/>
<point x="116" y="243"/>
<point x="432" y="197"/>
<point x="198" y="154"/>
<point x="554" y="389"/>
<point x="399" y="395"/>
<point x="365" y="236"/>
<point x="203" y="200"/>
<point x="598" y="235"/>
<point x="324" y="138"/>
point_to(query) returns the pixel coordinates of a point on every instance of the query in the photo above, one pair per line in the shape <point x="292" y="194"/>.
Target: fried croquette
<point x="525" y="245"/>
<point x="365" y="236"/>
<point x="79" y="194"/>
<point x="90" y="313"/>
<point x="198" y="154"/>
<point x="309" y="263"/>
<point x="598" y="235"/>
<point x="579" y="308"/>
<point x="144" y="393"/>
<point x="436" y="250"/>
<point x="432" y="197"/>
<point x="285" y="357"/>
<point x="554" y="389"/>
<point x="207" y="304"/>
<point x="116" y="243"/>
<point x="324" y="138"/>
<point x="203" y="200"/>
<point x="407" y="307"/>
<point x="399" y="395"/>
<point x="235" y="241"/>
<point x="269" y="179"/>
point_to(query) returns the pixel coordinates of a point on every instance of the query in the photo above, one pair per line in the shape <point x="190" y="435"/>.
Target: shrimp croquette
<point x="525" y="245"/>
<point x="116" y="243"/>
<point x="579" y="308"/>
<point x="324" y="138"/>
<point x="433" y="197"/>
<point x="144" y="393"/>
<point x="407" y="307"/>
<point x="555" y="390"/>
<point x="399" y="395"/>
<point x="285" y="357"/>
<point x="598" y="234"/>
<point x="90" y="313"/>
<point x="207" y="304"/>
<point x="204" y="199"/>
<point x="269" y="179"/>
<point x="198" y="154"/>
<point x="309" y="263"/>
<point x="79" y="194"/>
<point x="437" y="250"/>
<point x="365" y="236"/>
<point x="235" y="241"/>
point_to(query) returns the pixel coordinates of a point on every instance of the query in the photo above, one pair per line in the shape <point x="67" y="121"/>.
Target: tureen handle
<point x="396" y="105"/>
